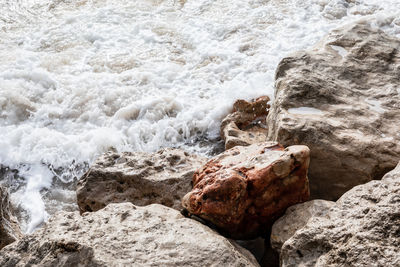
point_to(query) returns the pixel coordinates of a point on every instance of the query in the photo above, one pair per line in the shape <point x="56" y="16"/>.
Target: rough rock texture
<point x="125" y="235"/>
<point x="342" y="100"/>
<point x="361" y="229"/>
<point x="9" y="227"/>
<point x="295" y="218"/>
<point x="141" y="178"/>
<point x="244" y="126"/>
<point x="243" y="190"/>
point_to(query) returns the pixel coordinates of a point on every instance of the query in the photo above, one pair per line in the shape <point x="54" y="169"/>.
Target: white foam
<point x="375" y="105"/>
<point x="305" y="111"/>
<point x="80" y="77"/>
<point x="336" y="9"/>
<point x="38" y="177"/>
<point x="341" y="51"/>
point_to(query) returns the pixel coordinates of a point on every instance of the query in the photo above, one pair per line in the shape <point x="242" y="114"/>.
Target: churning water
<point x="78" y="77"/>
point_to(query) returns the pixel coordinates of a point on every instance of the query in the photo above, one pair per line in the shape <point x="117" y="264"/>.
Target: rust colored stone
<point x="246" y="124"/>
<point x="249" y="111"/>
<point x="245" y="189"/>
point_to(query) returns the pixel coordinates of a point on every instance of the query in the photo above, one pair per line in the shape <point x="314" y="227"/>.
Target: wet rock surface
<point x="246" y="124"/>
<point x="141" y="178"/>
<point x="124" y="234"/>
<point x="9" y="227"/>
<point x="295" y="218"/>
<point x="342" y="100"/>
<point x="243" y="190"/>
<point x="361" y="229"/>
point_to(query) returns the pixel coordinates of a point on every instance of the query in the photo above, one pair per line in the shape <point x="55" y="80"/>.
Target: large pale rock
<point x="243" y="190"/>
<point x="9" y="227"/>
<point x="244" y="126"/>
<point x="141" y="178"/>
<point x="125" y="235"/>
<point x="361" y="229"/>
<point x="342" y="100"/>
<point x="295" y="218"/>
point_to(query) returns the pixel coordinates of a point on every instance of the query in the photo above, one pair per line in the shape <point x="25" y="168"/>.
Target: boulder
<point x="244" y="126"/>
<point x="142" y="178"/>
<point x="342" y="100"/>
<point x="125" y="235"/>
<point x="295" y="218"/>
<point x="243" y="190"/>
<point x="9" y="227"/>
<point x="361" y="229"/>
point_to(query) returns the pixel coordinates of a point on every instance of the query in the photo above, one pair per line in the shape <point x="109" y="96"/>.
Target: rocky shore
<point x="299" y="184"/>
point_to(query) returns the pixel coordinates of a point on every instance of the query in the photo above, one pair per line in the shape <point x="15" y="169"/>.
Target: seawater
<point x="78" y="78"/>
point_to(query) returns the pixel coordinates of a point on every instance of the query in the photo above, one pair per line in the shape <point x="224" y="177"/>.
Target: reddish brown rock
<point x="245" y="189"/>
<point x="245" y="125"/>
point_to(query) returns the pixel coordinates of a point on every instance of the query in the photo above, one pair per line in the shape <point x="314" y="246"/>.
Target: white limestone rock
<point x="125" y="235"/>
<point x="141" y="178"/>
<point x="361" y="229"/>
<point x="341" y="99"/>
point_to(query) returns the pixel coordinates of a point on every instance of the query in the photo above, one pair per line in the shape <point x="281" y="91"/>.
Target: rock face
<point x="141" y="178"/>
<point x="361" y="229"/>
<point x="243" y="190"/>
<point x="125" y="235"/>
<point x="244" y="126"/>
<point x="9" y="227"/>
<point x="342" y="100"/>
<point x="295" y="218"/>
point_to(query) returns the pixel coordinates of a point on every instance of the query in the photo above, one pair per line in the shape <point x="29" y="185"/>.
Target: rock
<point x="125" y="235"/>
<point x="9" y="227"/>
<point x="141" y="178"/>
<point x="244" y="126"/>
<point x="243" y="190"/>
<point x="361" y="229"/>
<point x="295" y="218"/>
<point x="342" y="100"/>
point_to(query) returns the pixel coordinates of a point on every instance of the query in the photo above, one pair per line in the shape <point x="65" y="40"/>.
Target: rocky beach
<point x="184" y="133"/>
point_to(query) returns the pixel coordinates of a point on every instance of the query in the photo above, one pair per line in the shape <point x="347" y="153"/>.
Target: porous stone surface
<point x="361" y="229"/>
<point x="141" y="178"/>
<point x="125" y="235"/>
<point x="295" y="218"/>
<point x="342" y="100"/>
<point x="243" y="190"/>
<point x="246" y="124"/>
<point x="9" y="227"/>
